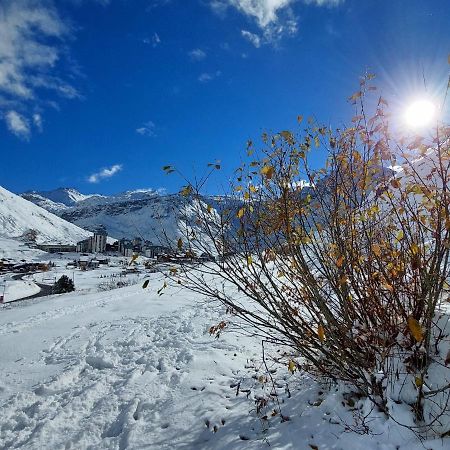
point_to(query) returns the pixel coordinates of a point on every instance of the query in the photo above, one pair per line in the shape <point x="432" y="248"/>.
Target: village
<point x="93" y="264"/>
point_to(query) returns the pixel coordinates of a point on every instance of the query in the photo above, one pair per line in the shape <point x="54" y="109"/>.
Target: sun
<point x="420" y="113"/>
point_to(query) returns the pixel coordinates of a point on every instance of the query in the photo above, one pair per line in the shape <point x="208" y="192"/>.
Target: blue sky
<point x="100" y="94"/>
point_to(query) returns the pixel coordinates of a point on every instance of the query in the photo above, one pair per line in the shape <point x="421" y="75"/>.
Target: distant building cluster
<point x="56" y="248"/>
<point x="129" y="247"/>
<point x="95" y="243"/>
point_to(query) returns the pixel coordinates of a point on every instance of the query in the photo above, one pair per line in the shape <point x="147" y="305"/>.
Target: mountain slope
<point x="61" y="197"/>
<point x="142" y="212"/>
<point x="18" y="216"/>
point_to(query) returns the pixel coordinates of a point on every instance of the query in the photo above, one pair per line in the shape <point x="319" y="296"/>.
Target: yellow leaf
<point x="317" y="141"/>
<point x="376" y="249"/>
<point x="400" y="235"/>
<point x="180" y="244"/>
<point x="288" y="136"/>
<point x="252" y="188"/>
<point x="415" y="329"/>
<point x="292" y="366"/>
<point x="249" y="260"/>
<point x="321" y="333"/>
<point x="238" y="188"/>
<point x="418" y="381"/>
<point x="209" y="209"/>
<point x="355" y="96"/>
<point x="246" y="196"/>
<point x="340" y="261"/>
<point x="267" y="171"/>
<point x="241" y="213"/>
<point x="186" y="191"/>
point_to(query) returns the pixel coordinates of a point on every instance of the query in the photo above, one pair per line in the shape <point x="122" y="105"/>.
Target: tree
<point x="63" y="285"/>
<point x="348" y="264"/>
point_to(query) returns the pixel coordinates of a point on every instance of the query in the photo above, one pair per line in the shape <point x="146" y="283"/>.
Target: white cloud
<point x="197" y="54"/>
<point x="264" y="11"/>
<point x="274" y="17"/>
<point x="17" y="124"/>
<point x="206" y="77"/>
<point x="105" y="173"/>
<point x="148" y="129"/>
<point x="31" y="49"/>
<point x="252" y="37"/>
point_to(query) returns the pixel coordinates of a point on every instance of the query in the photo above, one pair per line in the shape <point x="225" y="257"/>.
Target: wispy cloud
<point x="105" y="173"/>
<point x="197" y="54"/>
<point x="32" y="36"/>
<point x="37" y="120"/>
<point x="252" y="37"/>
<point x="148" y="129"/>
<point x="17" y="124"/>
<point x="208" y="76"/>
<point x="154" y="41"/>
<point x="274" y="18"/>
<point x="156" y="4"/>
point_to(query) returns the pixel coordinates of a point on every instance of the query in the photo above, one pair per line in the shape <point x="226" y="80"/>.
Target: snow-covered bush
<point x="112" y="284"/>
<point x="347" y="264"/>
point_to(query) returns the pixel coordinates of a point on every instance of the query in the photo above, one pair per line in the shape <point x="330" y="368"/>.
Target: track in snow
<point x="125" y="384"/>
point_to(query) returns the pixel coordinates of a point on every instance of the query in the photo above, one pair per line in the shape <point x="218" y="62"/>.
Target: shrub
<point x="347" y="264"/>
<point x="63" y="285"/>
<point x="112" y="284"/>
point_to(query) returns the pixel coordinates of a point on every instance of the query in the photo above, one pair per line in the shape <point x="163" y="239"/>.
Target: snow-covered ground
<point x="16" y="250"/>
<point x="16" y="289"/>
<point x="92" y="280"/>
<point x="130" y="369"/>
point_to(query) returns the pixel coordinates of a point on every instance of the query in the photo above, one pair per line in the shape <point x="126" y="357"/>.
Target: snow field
<point x="128" y="369"/>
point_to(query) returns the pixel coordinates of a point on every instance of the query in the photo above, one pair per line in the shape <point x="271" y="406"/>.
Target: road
<point x="45" y="288"/>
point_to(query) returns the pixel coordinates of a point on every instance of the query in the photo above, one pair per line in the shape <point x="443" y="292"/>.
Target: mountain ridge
<point x="18" y="216"/>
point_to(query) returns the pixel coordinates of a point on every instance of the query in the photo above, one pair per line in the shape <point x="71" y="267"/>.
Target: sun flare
<point x="420" y="113"/>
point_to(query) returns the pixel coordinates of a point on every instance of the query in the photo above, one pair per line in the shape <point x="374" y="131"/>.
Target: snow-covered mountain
<point x="18" y="216"/>
<point x="58" y="199"/>
<point x="143" y="212"/>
